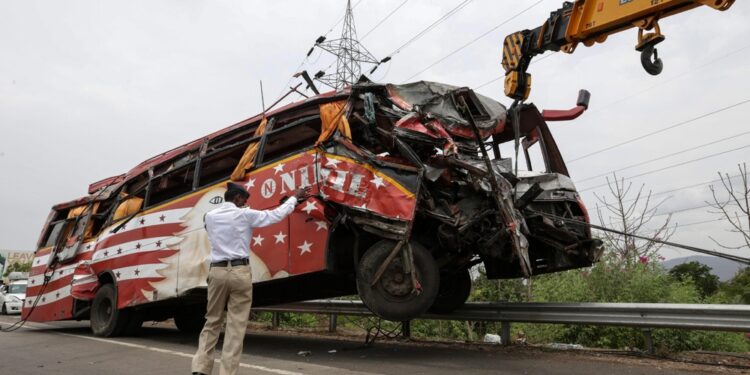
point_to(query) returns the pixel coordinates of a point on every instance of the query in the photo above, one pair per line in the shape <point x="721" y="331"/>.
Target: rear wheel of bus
<point x="106" y="319"/>
<point x="393" y="296"/>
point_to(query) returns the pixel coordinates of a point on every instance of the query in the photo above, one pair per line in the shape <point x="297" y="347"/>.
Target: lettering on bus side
<point x="347" y="182"/>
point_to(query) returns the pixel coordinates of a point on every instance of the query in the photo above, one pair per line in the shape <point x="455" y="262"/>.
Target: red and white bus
<point x="405" y="202"/>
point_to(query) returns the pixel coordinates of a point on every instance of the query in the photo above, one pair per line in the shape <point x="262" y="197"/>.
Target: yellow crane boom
<point x="590" y="22"/>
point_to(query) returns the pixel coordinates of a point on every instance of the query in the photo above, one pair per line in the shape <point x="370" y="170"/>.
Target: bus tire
<point x="455" y="288"/>
<point x="392" y="297"/>
<point x="190" y="322"/>
<point x="106" y="319"/>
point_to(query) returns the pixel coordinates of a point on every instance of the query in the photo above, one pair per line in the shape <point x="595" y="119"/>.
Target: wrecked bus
<point x="410" y="188"/>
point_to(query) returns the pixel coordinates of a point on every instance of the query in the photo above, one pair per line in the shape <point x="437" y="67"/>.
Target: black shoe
<point x="198" y="373"/>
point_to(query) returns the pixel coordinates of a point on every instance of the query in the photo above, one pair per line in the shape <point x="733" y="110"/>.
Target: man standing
<point x="230" y="283"/>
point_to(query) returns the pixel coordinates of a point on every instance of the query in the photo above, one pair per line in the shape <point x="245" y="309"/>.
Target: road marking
<point x="158" y="350"/>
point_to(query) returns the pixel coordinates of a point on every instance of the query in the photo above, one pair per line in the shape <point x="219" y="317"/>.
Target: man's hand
<point x="303" y="193"/>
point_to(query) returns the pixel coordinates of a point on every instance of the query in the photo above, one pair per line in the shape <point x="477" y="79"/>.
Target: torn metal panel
<point x="437" y="100"/>
<point x="347" y="178"/>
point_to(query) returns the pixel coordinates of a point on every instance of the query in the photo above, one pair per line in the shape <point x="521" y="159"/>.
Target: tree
<point x="739" y="286"/>
<point x="17" y="267"/>
<point x="736" y="207"/>
<point x="706" y="282"/>
<point x="631" y="216"/>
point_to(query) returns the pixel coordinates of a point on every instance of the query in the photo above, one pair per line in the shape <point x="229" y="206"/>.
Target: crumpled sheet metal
<point x="435" y="99"/>
<point x="348" y="180"/>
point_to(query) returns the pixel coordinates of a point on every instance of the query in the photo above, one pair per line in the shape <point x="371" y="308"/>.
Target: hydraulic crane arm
<point x="590" y="22"/>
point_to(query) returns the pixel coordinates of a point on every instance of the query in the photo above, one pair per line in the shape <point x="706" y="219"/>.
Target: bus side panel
<point x="143" y="255"/>
<point x="53" y="300"/>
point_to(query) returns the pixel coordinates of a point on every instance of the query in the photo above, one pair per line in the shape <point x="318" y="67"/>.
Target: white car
<point x="11" y="300"/>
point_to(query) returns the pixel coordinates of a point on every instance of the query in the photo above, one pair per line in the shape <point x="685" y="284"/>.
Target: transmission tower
<point x="350" y="55"/>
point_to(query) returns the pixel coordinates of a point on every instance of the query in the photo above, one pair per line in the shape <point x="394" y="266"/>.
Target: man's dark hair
<point x="230" y="194"/>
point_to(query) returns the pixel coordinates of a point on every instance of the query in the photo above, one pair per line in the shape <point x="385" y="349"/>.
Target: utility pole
<point x="350" y="55"/>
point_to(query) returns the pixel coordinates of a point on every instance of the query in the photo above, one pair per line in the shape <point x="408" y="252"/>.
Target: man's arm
<point x="265" y="218"/>
<point x="258" y="219"/>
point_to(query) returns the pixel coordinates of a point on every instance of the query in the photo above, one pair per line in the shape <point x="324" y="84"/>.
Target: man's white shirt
<point x="230" y="227"/>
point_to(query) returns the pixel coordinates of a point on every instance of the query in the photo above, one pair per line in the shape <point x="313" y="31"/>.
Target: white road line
<point x="160" y="350"/>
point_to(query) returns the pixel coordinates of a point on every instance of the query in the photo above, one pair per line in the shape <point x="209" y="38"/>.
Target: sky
<point x="88" y="89"/>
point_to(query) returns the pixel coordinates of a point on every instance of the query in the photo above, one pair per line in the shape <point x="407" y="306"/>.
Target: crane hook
<point x="650" y="59"/>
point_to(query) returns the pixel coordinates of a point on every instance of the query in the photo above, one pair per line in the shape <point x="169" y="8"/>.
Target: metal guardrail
<point x="641" y="315"/>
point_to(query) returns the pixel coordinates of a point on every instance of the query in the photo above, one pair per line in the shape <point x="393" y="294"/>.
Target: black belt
<point x="233" y="262"/>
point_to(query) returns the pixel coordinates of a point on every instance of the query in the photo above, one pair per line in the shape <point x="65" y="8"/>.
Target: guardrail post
<point x="332" y="323"/>
<point x="275" y="320"/>
<point x="406" y="329"/>
<point x="505" y="332"/>
<point x="649" y="340"/>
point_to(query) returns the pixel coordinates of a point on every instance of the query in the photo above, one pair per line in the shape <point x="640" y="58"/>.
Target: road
<point x="69" y="348"/>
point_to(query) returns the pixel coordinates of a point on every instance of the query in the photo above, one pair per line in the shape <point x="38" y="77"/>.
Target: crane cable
<point x="667" y="243"/>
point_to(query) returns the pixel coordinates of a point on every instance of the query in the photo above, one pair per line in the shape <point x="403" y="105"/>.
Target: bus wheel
<point x="455" y="288"/>
<point x="393" y="297"/>
<point x="106" y="319"/>
<point x="191" y="321"/>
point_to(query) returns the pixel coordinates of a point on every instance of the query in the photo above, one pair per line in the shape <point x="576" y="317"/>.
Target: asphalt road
<point x="69" y="348"/>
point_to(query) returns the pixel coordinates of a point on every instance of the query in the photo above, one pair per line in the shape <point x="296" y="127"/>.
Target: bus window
<point x="218" y="165"/>
<point x="131" y="197"/>
<point x="171" y="184"/>
<point x="55" y="230"/>
<point x="287" y="139"/>
<point x="530" y="154"/>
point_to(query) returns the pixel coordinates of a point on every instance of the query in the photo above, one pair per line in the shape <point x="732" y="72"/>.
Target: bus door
<point x="71" y="232"/>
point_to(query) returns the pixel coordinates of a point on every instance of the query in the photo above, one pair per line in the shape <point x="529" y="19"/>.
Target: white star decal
<point x="309" y="207"/>
<point x="304" y="248"/>
<point x="321" y="225"/>
<point x="250" y="183"/>
<point x="378" y="182"/>
<point x="278" y="168"/>
<point x="332" y="162"/>
<point x="258" y="240"/>
<point x="363" y="206"/>
<point x="280" y="237"/>
<point x="323" y="194"/>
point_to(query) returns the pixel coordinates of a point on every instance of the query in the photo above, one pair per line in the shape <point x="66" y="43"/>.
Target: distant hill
<point x="721" y="267"/>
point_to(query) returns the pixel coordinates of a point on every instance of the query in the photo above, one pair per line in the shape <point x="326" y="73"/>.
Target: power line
<point x="383" y="20"/>
<point x="665" y="156"/>
<point x="683" y="210"/>
<point x="431" y="26"/>
<point x="475" y="39"/>
<point x="682" y="123"/>
<point x="673" y="166"/>
<point x="699" y="222"/>
<point x="702" y="184"/>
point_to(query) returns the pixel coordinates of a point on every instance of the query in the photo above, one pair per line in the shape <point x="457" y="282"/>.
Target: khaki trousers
<point x="229" y="287"/>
